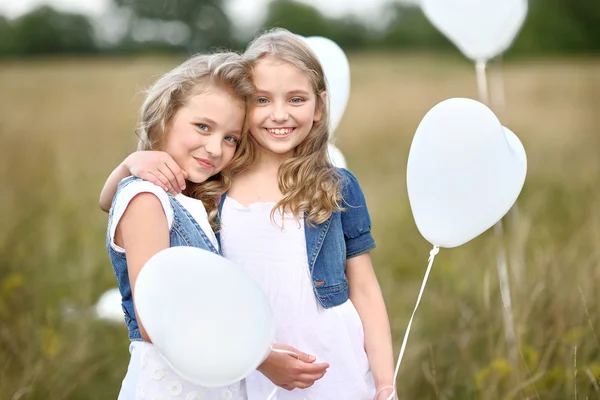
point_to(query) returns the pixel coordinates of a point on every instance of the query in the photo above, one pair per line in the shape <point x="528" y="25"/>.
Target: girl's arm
<point x="154" y="166"/>
<point x="366" y="296"/>
<point x="142" y="231"/>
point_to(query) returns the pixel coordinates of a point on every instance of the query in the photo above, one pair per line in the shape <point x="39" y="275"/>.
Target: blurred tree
<point x="350" y="33"/>
<point x="550" y="27"/>
<point x="207" y="24"/>
<point x="305" y="20"/>
<point x="47" y="31"/>
<point x="410" y="28"/>
<point x="7" y="42"/>
<point x="302" y="19"/>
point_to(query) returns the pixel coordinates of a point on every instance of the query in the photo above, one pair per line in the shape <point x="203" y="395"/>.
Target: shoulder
<point x="145" y="194"/>
<point x="131" y="186"/>
<point x="352" y="194"/>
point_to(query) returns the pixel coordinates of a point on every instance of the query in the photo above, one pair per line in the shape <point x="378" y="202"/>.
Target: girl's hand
<point x="290" y="372"/>
<point x="384" y="393"/>
<point x="157" y="167"/>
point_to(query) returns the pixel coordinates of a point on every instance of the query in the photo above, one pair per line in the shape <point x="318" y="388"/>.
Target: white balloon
<point x="481" y="29"/>
<point x="211" y="322"/>
<point x="336" y="156"/>
<point x="337" y="73"/>
<point x="108" y="307"/>
<point x="464" y="173"/>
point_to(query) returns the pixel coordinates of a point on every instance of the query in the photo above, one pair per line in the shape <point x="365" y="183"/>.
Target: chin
<point x="196" y="177"/>
<point x="279" y="147"/>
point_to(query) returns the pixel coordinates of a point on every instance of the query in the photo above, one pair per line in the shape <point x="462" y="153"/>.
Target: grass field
<point x="66" y="123"/>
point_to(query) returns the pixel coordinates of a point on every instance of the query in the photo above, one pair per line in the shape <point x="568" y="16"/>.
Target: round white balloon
<point x="481" y="29"/>
<point x="336" y="156"/>
<point x="464" y="173"/>
<point x="337" y="73"/>
<point x="211" y="322"/>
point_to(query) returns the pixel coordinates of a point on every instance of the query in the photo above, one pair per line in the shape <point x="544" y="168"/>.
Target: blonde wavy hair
<point x="225" y="70"/>
<point x="310" y="184"/>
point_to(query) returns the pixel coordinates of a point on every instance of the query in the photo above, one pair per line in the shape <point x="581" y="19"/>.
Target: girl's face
<point x="203" y="134"/>
<point x="285" y="106"/>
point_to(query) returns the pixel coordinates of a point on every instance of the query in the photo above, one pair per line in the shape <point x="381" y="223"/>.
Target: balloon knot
<point x="434" y="252"/>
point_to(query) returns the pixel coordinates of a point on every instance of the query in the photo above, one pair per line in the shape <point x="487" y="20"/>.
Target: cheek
<point x="307" y="115"/>
<point x="228" y="153"/>
<point x="256" y="116"/>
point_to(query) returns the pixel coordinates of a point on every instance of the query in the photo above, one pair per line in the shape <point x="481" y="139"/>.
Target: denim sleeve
<point x="356" y="222"/>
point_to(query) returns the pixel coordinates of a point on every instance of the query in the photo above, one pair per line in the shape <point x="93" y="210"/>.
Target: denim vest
<point x="344" y="235"/>
<point x="185" y="231"/>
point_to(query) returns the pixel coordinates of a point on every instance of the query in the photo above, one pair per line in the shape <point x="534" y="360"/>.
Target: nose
<point x="279" y="112"/>
<point x="214" y="146"/>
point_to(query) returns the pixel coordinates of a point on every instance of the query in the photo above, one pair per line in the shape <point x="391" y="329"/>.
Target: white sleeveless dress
<point x="276" y="258"/>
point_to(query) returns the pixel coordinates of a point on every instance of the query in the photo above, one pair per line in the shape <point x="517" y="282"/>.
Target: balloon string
<point x="272" y="395"/>
<point x="501" y="264"/>
<point x="497" y="97"/>
<point x="480" y="69"/>
<point x="291" y="353"/>
<point x="432" y="255"/>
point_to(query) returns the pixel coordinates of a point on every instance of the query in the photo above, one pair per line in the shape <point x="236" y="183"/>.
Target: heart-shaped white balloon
<point x="481" y="29"/>
<point x="337" y="73"/>
<point x="211" y="322"/>
<point x="464" y="173"/>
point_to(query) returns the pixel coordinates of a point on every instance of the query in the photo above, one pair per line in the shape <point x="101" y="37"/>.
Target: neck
<point x="268" y="161"/>
<point x="188" y="188"/>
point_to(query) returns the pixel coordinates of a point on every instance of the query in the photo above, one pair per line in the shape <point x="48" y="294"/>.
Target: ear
<point x="321" y="108"/>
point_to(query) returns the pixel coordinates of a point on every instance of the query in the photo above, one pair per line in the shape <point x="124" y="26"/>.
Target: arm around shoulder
<point x="110" y="186"/>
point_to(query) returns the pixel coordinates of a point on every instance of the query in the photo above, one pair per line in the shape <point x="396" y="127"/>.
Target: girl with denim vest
<point x="195" y="114"/>
<point x="301" y="229"/>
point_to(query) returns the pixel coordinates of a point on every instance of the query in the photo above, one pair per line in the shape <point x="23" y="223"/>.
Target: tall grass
<point x="66" y="124"/>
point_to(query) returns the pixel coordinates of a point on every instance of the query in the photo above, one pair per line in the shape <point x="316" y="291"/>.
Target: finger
<point x="178" y="179"/>
<point x="303" y="385"/>
<point x="307" y="358"/>
<point x="312" y="377"/>
<point x="158" y="179"/>
<point x="310" y="368"/>
<point x="164" y="175"/>
<point x="172" y="181"/>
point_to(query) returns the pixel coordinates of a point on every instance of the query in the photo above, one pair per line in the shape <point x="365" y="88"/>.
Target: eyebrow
<point x="296" y="91"/>
<point x="205" y="119"/>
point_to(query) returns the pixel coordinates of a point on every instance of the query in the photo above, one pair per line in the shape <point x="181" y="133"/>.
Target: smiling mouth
<point x="204" y="163"/>
<point x="280" y="131"/>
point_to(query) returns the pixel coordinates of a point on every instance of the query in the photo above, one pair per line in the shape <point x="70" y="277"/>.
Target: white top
<point x="148" y="375"/>
<point x="193" y="206"/>
<point x="276" y="258"/>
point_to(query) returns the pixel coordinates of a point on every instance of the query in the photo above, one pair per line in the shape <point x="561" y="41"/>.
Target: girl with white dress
<point x="195" y="114"/>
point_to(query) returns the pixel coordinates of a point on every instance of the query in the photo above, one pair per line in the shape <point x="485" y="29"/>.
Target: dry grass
<point x="66" y="123"/>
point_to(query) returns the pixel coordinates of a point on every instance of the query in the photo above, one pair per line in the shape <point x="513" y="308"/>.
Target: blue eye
<point x="231" y="139"/>
<point x="203" y="127"/>
<point x="262" y="100"/>
<point x="297" y="100"/>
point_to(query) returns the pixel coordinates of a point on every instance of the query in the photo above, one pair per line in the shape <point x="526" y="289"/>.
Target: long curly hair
<point x="225" y="70"/>
<point x="310" y="184"/>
